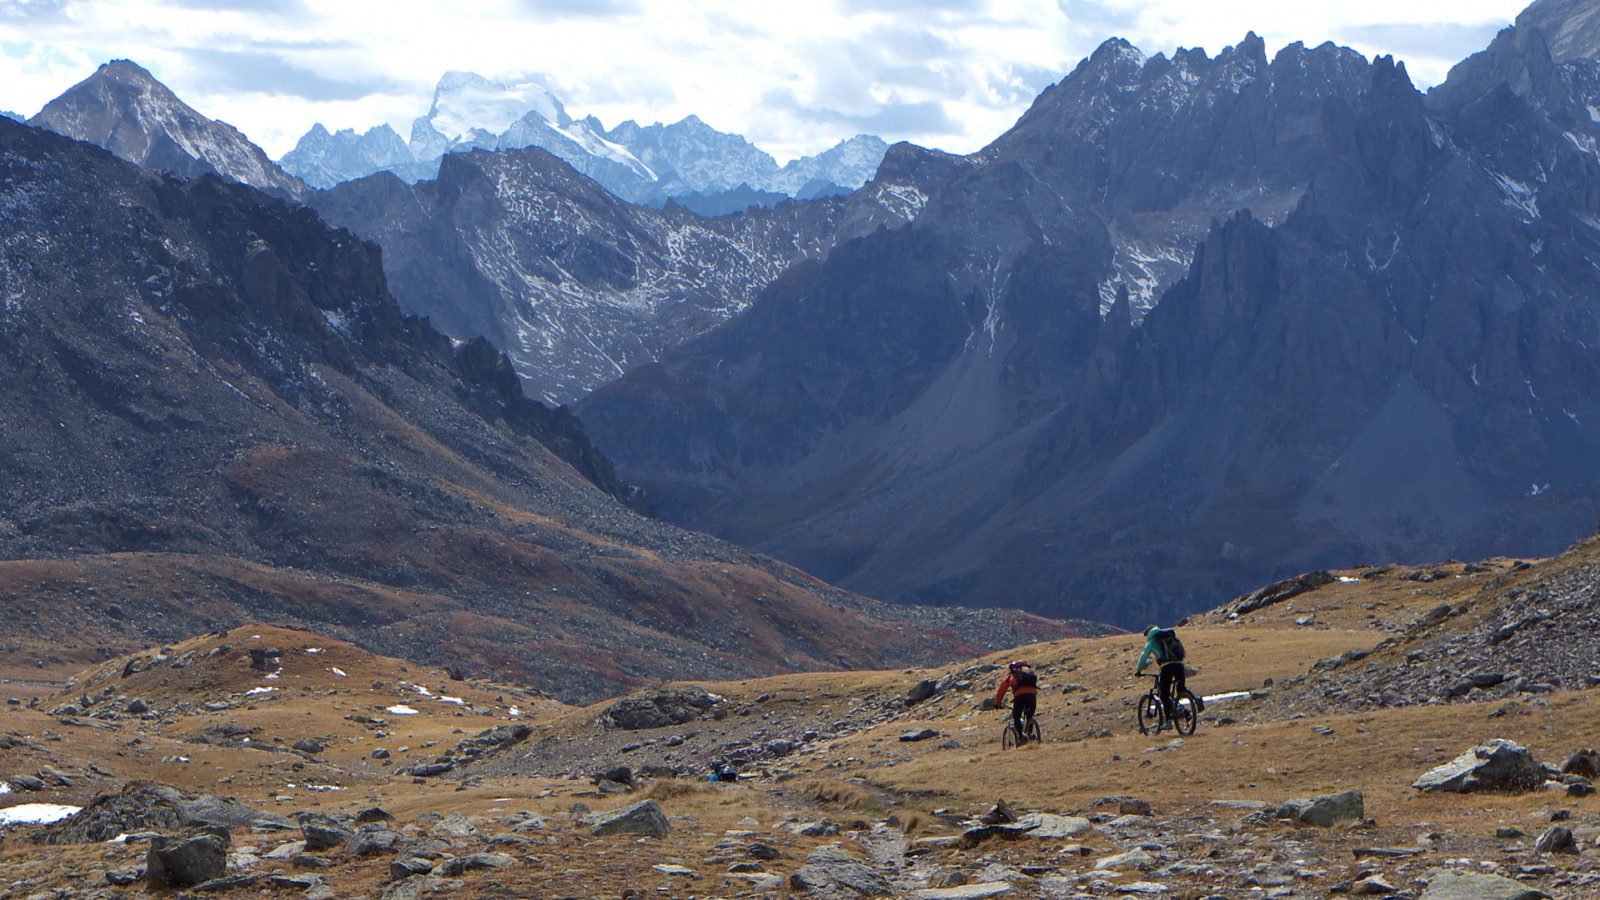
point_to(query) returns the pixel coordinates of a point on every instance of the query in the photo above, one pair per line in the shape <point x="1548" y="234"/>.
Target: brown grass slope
<point x="1314" y="732"/>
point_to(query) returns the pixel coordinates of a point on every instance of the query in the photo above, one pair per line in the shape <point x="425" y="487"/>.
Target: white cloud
<point x="793" y="77"/>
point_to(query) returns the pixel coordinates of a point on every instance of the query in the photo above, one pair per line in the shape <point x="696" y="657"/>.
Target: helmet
<point x="1018" y="664"/>
<point x="1150" y="629"/>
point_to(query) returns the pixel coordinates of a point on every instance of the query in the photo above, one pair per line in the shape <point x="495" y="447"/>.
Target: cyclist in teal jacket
<point x="1164" y="646"/>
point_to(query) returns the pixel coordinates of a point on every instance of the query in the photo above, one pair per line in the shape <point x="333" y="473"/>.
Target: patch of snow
<point x="1474" y="373"/>
<point x="1538" y="489"/>
<point x="422" y="690"/>
<point x="514" y="712"/>
<point x="1346" y="579"/>
<point x="456" y="700"/>
<point x="36" y="814"/>
<point x="337" y="671"/>
<point x="259" y="690"/>
<point x="271" y="676"/>
<point x="1518" y="196"/>
<point x="313" y="649"/>
<point x="323" y="787"/>
<point x="400" y="709"/>
<point x="1230" y="695"/>
<point x="5" y="788"/>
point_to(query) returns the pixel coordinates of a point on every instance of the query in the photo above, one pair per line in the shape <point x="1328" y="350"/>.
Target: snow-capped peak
<point x="464" y="102"/>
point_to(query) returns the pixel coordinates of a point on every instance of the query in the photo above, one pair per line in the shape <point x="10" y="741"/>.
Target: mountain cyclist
<point x="1164" y="646"/>
<point x="1023" y="684"/>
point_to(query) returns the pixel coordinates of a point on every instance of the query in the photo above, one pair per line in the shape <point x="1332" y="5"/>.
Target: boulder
<point x="187" y="859"/>
<point x="921" y="691"/>
<point x="145" y="806"/>
<point x="1044" y="826"/>
<point x="1497" y="765"/>
<point x="323" y="832"/>
<point x="1446" y="884"/>
<point x="919" y="734"/>
<point x="309" y="745"/>
<point x="1133" y="859"/>
<point x="832" y="870"/>
<point x="1556" y="839"/>
<point x="1326" y="811"/>
<point x="1583" y="763"/>
<point x="460" y="865"/>
<point x="371" y="839"/>
<point x="491" y="740"/>
<point x="644" y="818"/>
<point x="668" y="706"/>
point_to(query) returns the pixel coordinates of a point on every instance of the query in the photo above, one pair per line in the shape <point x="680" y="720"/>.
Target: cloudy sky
<point x="794" y="77"/>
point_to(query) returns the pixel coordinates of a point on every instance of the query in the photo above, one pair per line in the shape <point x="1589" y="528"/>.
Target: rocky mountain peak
<point x="125" y="109"/>
<point x="1571" y="28"/>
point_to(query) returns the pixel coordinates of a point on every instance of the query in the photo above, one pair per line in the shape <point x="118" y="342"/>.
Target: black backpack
<point x="1025" y="678"/>
<point x="1168" y="647"/>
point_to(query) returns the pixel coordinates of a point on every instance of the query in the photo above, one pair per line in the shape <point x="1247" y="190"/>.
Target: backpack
<point x="1025" y="678"/>
<point x="1168" y="647"/>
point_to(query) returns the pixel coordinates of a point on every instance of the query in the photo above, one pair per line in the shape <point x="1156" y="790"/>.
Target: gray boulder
<point x="1326" y="811"/>
<point x="1556" y="839"/>
<point x="1583" y="763"/>
<point x="921" y="691"/>
<point x="919" y="734"/>
<point x="184" y="860"/>
<point x="1497" y="765"/>
<point x="145" y="806"/>
<point x="644" y="818"/>
<point x="832" y="870"/>
<point x="460" y="865"/>
<point x="323" y="832"/>
<point x="1445" y="884"/>
<point x="372" y="839"/>
<point x="668" y="706"/>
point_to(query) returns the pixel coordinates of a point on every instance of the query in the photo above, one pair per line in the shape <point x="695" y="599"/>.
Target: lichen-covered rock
<point x="644" y="818"/>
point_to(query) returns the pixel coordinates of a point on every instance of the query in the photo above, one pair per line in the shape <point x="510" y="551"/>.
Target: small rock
<point x="920" y="734"/>
<point x="460" y="865"/>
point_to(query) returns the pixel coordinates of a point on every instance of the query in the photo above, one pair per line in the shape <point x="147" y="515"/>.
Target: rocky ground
<point x="276" y="762"/>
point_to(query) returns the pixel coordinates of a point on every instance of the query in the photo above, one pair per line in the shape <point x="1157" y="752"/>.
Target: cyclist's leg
<point x="1164" y="688"/>
<point x="1022" y="709"/>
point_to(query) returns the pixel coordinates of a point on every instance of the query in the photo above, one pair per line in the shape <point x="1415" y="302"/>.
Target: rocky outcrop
<point x="671" y="706"/>
<point x="142" y="806"/>
<point x="187" y="859"/>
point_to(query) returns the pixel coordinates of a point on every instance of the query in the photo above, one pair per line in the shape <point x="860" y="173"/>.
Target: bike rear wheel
<point x="1008" y="738"/>
<point x="1033" y="730"/>
<point x="1149" y="713"/>
<point x="1185" y="716"/>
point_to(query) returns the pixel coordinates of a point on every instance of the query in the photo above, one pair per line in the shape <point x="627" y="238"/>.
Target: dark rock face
<point x="1391" y="354"/>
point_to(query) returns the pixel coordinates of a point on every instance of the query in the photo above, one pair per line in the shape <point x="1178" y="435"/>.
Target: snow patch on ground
<point x="36" y="814"/>
<point x="400" y="709"/>
<point x="259" y="690"/>
<point x="337" y="671"/>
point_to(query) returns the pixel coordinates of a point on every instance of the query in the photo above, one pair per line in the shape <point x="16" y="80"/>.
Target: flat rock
<point x="964" y="892"/>
<point x="830" y="869"/>
<point x="644" y="818"/>
<point x="1448" y="884"/>
<point x="1133" y="859"/>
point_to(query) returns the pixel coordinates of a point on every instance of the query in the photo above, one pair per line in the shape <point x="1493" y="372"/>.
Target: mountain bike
<point x="1153" y="718"/>
<point x="1030" y="732"/>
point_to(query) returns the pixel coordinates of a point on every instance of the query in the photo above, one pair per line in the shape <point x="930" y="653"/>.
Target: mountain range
<point x="1383" y="344"/>
<point x="1193" y="323"/>
<point x="218" y="414"/>
<point x="642" y="164"/>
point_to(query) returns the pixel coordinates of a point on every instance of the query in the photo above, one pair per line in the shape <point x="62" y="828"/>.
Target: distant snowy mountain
<point x="647" y="164"/>
<point x="324" y="159"/>
<point x="124" y="109"/>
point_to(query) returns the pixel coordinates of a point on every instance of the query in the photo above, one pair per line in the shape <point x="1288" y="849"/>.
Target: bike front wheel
<point x="1149" y="713"/>
<point x="1185" y="716"/>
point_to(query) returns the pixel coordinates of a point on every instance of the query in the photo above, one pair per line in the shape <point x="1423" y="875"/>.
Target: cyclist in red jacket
<point x="1024" y="687"/>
